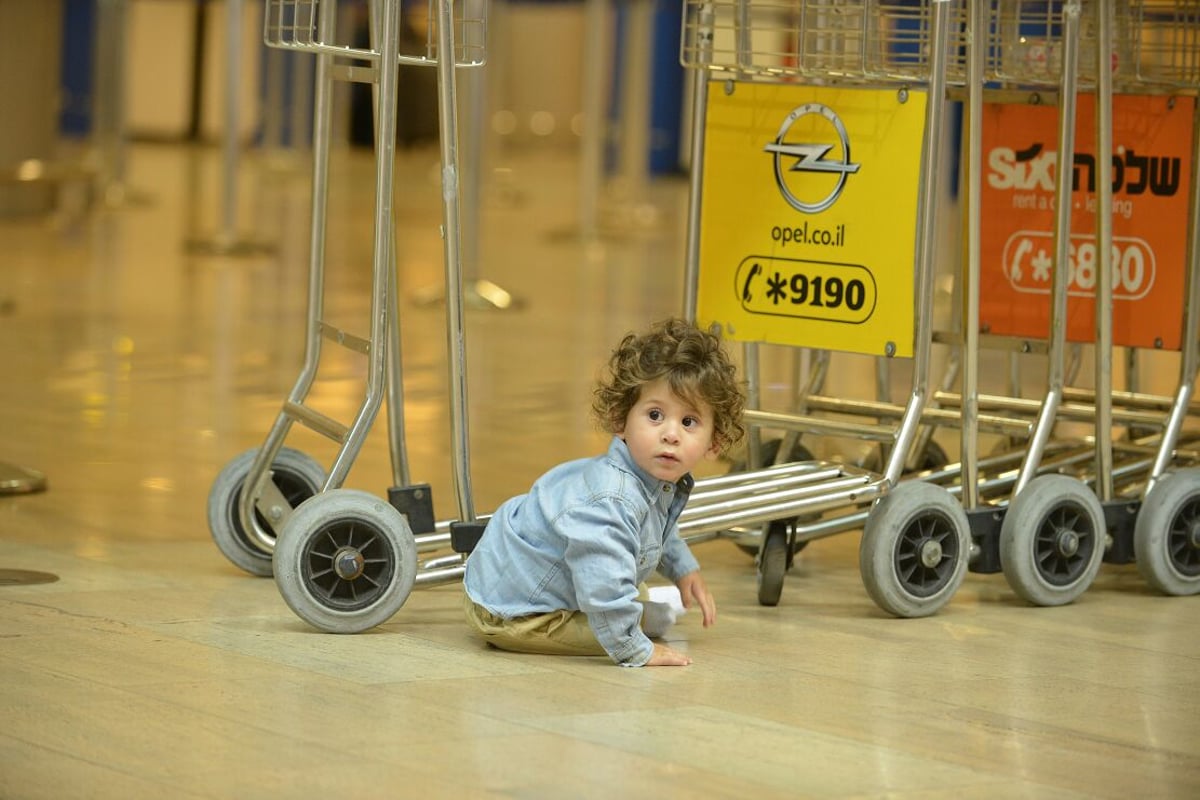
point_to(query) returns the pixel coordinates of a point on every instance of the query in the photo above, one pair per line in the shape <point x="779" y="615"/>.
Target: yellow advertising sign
<point x="808" y="215"/>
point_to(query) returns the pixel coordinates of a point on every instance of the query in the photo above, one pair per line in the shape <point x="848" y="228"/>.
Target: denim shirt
<point x="583" y="538"/>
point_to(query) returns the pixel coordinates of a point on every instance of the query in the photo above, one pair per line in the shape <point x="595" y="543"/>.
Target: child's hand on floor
<point x="692" y="589"/>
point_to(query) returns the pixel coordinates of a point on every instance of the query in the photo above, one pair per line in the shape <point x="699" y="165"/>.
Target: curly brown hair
<point x="695" y="366"/>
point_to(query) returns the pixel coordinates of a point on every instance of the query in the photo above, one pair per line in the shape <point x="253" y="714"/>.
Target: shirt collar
<point x="618" y="451"/>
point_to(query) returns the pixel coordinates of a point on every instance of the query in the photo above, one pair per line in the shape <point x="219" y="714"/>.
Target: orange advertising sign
<point x="1151" y="173"/>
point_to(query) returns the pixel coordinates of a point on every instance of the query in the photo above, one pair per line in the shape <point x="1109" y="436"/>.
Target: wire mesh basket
<point x="1156" y="43"/>
<point x="1164" y="42"/>
<point x="852" y="40"/>
<point x="1026" y="40"/>
<point x="296" y="25"/>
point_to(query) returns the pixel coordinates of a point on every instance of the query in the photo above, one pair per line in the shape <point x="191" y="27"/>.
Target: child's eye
<point x="690" y="422"/>
<point x="655" y="415"/>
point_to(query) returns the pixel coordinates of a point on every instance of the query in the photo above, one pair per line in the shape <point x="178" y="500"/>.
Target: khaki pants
<point x="557" y="633"/>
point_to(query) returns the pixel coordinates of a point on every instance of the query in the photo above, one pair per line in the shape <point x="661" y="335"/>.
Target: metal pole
<point x="926" y="246"/>
<point x="970" y="296"/>
<point x="1062" y="243"/>
<point x="397" y="439"/>
<point x="1104" y="282"/>
<point x="456" y="345"/>
<point x="382" y="269"/>
<point x="258" y="476"/>
<point x="472" y="161"/>
<point x="691" y="277"/>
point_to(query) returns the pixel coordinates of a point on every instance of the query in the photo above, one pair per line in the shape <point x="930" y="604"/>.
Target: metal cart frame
<point x="345" y="560"/>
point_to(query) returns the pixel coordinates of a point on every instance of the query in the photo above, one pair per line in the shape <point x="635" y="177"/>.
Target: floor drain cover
<point x="24" y="577"/>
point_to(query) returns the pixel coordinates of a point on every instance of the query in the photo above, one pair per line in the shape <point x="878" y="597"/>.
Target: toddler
<point x="562" y="569"/>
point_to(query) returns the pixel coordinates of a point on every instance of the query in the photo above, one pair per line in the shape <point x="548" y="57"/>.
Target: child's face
<point x="667" y="436"/>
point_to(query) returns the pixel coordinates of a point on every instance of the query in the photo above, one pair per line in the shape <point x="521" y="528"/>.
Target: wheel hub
<point x="931" y="553"/>
<point x="348" y="563"/>
<point x="1068" y="542"/>
<point x="1193" y="538"/>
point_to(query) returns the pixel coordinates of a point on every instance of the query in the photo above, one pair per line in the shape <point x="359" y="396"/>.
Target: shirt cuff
<point x="641" y="659"/>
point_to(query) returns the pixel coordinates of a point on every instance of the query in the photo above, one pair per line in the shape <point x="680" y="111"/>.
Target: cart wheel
<point x="1166" y="536"/>
<point x="345" y="561"/>
<point x="1052" y="540"/>
<point x="297" y="476"/>
<point x="770" y="449"/>
<point x="914" y="549"/>
<point x="772" y="563"/>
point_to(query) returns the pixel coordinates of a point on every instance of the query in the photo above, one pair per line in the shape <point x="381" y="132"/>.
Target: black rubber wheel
<point x="1166" y="537"/>
<point x="296" y="475"/>
<point x="345" y="561"/>
<point x="772" y="564"/>
<point x="1052" y="540"/>
<point x="914" y="549"/>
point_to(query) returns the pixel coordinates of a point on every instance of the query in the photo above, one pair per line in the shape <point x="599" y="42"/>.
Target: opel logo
<point x="811" y="157"/>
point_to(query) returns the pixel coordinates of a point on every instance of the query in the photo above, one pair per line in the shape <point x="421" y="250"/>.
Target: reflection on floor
<point x="135" y="369"/>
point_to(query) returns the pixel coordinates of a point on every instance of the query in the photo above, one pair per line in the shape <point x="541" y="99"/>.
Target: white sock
<point x="669" y="595"/>
<point x="661" y="610"/>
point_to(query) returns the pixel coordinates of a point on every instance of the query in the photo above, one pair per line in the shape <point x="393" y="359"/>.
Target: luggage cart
<point x="1159" y="48"/>
<point x="343" y="559"/>
<point x="803" y="67"/>
<point x="1056" y="529"/>
<point x="1050" y="538"/>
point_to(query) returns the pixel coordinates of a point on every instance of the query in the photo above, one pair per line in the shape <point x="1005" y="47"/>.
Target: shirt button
<point x="667" y="487"/>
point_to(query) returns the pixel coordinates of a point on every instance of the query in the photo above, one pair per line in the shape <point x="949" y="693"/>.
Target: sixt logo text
<point x="1034" y="168"/>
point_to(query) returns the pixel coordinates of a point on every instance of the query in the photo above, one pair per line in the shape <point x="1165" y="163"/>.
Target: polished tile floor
<point x="135" y="367"/>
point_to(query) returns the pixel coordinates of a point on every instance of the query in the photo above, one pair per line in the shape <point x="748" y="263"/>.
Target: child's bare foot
<point x="664" y="656"/>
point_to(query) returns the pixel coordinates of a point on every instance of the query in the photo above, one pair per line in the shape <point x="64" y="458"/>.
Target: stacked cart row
<point x="822" y="132"/>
